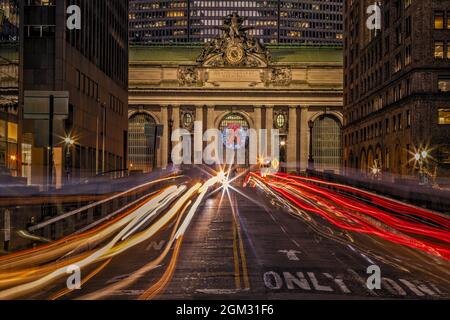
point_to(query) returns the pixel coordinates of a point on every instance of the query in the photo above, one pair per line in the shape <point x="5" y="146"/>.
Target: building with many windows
<point x="235" y="82"/>
<point x="9" y="91"/>
<point x="83" y="74"/>
<point x="397" y="88"/>
<point x="282" y="21"/>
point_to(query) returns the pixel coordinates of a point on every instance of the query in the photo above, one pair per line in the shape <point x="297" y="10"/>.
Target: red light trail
<point x="348" y="208"/>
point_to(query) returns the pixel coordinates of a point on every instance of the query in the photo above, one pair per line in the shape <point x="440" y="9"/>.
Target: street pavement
<point x="245" y="244"/>
<point x="281" y="256"/>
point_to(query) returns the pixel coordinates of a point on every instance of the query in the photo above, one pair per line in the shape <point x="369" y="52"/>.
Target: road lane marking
<point x="157" y="246"/>
<point x="362" y="281"/>
<point x="244" y="263"/>
<point x="291" y="254"/>
<point x="339" y="282"/>
<point x="241" y="249"/>
<point x="221" y="291"/>
<point x="296" y="243"/>
<point x="308" y="281"/>
<point x="316" y="283"/>
<point x="298" y="280"/>
<point x="237" y="279"/>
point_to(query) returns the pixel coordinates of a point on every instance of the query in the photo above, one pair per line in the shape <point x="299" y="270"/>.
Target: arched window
<point x="234" y="129"/>
<point x="141" y="142"/>
<point x="327" y="151"/>
<point x="233" y="119"/>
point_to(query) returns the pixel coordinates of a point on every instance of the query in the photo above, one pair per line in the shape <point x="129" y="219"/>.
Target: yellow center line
<point x="238" y="248"/>
<point x="237" y="276"/>
<point x="243" y="261"/>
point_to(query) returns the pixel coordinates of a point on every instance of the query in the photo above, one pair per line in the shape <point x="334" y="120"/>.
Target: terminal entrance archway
<point x="142" y="142"/>
<point x="327" y="143"/>
<point x="234" y="128"/>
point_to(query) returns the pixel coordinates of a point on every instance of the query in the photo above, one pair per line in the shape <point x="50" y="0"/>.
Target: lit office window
<point x="444" y="116"/>
<point x="448" y="19"/>
<point x="444" y="85"/>
<point x="439" y="20"/>
<point x="2" y="130"/>
<point x="439" y="49"/>
<point x="12" y="132"/>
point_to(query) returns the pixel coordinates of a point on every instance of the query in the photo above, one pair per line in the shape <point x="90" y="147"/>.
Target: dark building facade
<point x="397" y="88"/>
<point x="91" y="66"/>
<point x="9" y="90"/>
<point x="290" y="21"/>
<point x="9" y="20"/>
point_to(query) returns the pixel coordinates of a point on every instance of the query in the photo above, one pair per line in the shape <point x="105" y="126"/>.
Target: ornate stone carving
<point x="187" y="118"/>
<point x="188" y="76"/>
<point x="234" y="47"/>
<point x="280" y="76"/>
<point x="280" y="120"/>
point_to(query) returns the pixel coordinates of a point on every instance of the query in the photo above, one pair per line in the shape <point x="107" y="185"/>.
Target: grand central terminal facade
<point x="235" y="81"/>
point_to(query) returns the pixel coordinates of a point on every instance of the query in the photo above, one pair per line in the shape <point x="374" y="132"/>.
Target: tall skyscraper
<point x="282" y="21"/>
<point x="89" y="68"/>
<point x="9" y="88"/>
<point x="396" y="88"/>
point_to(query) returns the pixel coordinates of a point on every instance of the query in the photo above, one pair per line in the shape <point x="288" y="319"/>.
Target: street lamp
<point x="421" y="157"/>
<point x="311" y="158"/>
<point x="69" y="142"/>
<point x="375" y="170"/>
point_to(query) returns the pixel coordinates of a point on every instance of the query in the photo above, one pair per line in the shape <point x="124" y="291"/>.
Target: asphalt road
<point x="279" y="256"/>
<point x="246" y="244"/>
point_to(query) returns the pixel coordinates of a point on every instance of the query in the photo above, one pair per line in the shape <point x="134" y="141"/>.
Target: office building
<point x="397" y="88"/>
<point x="86" y="71"/>
<point x="290" y="21"/>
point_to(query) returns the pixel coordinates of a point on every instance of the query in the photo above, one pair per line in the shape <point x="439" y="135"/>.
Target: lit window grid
<point x="180" y="21"/>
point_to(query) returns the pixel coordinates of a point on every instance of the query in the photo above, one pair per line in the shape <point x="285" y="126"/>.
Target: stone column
<point x="304" y="138"/>
<point x="210" y="121"/>
<point x="258" y="120"/>
<point x="198" y="140"/>
<point x="258" y="127"/>
<point x="269" y="127"/>
<point x="176" y="124"/>
<point x="292" y="140"/>
<point x="199" y="113"/>
<point x="165" y="136"/>
<point x="176" y="117"/>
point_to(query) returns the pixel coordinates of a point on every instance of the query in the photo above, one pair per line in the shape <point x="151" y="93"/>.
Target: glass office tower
<point x="275" y="21"/>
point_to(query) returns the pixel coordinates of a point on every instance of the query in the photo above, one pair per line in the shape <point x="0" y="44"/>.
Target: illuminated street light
<point x="421" y="157"/>
<point x="69" y="142"/>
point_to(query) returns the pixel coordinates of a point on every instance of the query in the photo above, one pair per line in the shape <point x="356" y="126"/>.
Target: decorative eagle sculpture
<point x="234" y="47"/>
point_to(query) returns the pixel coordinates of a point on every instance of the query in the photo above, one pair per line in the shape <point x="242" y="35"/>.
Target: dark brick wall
<point x="375" y="91"/>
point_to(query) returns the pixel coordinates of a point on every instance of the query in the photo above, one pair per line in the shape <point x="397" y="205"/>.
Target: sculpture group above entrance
<point x="234" y="47"/>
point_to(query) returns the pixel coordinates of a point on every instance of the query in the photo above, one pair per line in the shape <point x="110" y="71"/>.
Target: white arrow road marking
<point x="291" y="254"/>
